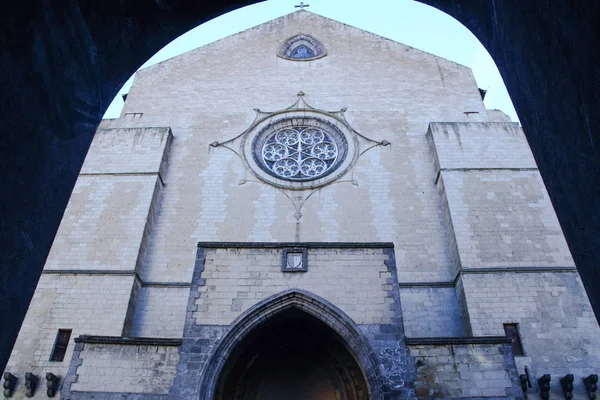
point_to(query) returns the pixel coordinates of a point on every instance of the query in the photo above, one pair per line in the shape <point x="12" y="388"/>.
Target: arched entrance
<point x="101" y="44"/>
<point x="291" y="356"/>
<point x="294" y="345"/>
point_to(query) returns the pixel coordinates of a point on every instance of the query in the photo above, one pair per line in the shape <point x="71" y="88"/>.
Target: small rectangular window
<point x="512" y="331"/>
<point x="60" y="345"/>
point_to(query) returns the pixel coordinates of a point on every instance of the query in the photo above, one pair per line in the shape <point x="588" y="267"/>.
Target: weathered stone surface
<point x="553" y="95"/>
<point x="446" y="370"/>
<point x="496" y="200"/>
<point x="545" y="53"/>
<point x="125" y="369"/>
<point x="208" y="196"/>
<point x="62" y="65"/>
<point x="237" y="279"/>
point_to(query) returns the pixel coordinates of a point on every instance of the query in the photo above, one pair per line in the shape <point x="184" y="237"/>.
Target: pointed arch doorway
<point x="292" y="356"/>
<point x="292" y="346"/>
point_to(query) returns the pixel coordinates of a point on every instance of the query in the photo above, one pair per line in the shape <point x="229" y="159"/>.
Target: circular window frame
<point x="331" y="125"/>
<point x="329" y="135"/>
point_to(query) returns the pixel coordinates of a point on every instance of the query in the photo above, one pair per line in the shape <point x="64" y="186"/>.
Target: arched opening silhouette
<point x="84" y="52"/>
<point x="294" y="356"/>
<point x="293" y="345"/>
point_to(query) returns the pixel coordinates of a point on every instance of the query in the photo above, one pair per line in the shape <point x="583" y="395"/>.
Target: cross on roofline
<point x="302" y="5"/>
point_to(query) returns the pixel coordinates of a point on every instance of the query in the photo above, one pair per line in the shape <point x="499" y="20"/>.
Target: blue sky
<point x="404" y="21"/>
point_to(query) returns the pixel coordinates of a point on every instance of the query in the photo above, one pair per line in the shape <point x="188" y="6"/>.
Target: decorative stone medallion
<point x="299" y="148"/>
<point x="294" y="260"/>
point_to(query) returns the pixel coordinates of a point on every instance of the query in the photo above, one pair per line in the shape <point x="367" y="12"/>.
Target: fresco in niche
<point x="302" y="48"/>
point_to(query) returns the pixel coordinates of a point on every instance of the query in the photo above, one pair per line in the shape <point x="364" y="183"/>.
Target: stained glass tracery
<point x="299" y="153"/>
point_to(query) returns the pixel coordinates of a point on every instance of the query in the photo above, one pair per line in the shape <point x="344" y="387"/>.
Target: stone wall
<point x="159" y="311"/>
<point x="514" y="266"/>
<point x="113" y="365"/>
<point x="357" y="280"/>
<point x="556" y="323"/>
<point x="211" y="196"/>
<point x="476" y="201"/>
<point x="89" y="283"/>
<point x="128" y="151"/>
<point x="464" y="368"/>
<point x="371" y="325"/>
<point x="479" y="145"/>
<point x="431" y="312"/>
<point x="504" y="219"/>
<point x="84" y="303"/>
<point x="498" y="206"/>
<point x="103" y="224"/>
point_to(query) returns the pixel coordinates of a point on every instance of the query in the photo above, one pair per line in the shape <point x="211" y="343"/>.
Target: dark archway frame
<point x="354" y="341"/>
<point x="63" y="62"/>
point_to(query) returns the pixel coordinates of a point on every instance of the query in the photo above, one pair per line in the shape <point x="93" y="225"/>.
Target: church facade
<point x="305" y="210"/>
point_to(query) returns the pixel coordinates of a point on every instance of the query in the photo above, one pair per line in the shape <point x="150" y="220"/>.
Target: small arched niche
<point x="302" y="48"/>
<point x="292" y="356"/>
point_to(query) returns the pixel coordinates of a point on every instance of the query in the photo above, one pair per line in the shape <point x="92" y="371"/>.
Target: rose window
<point x="299" y="153"/>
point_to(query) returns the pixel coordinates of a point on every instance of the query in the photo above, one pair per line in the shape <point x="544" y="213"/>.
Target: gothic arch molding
<point x="355" y="342"/>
